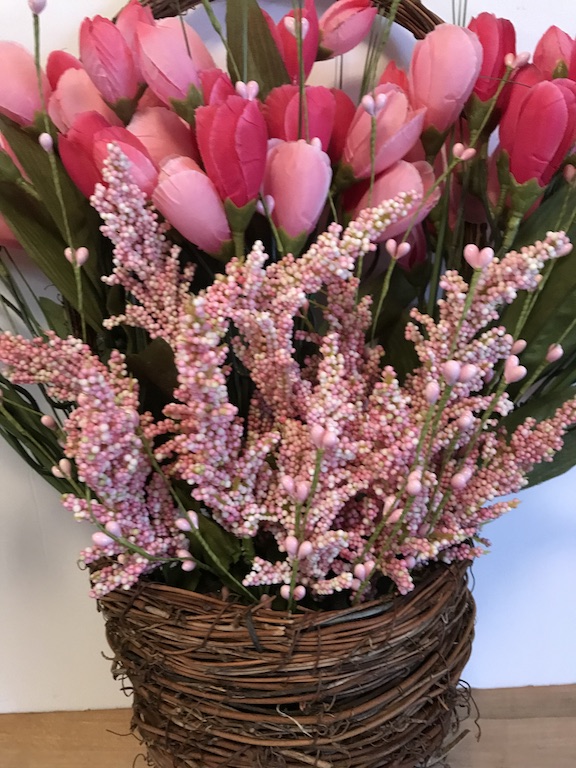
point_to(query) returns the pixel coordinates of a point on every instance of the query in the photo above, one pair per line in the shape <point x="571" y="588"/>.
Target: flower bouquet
<point x="302" y="340"/>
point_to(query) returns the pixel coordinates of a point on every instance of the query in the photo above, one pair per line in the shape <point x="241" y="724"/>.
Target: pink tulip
<point x="345" y="109"/>
<point x="282" y="113"/>
<point x="57" y="63"/>
<point x="187" y="198"/>
<point x="75" y="94"/>
<point x="398" y="128"/>
<point x="522" y="82"/>
<point x="127" y="21"/>
<point x="216" y="86"/>
<point x="85" y="147"/>
<point x="108" y="60"/>
<point x="393" y="74"/>
<point x="497" y="37"/>
<point x="20" y="98"/>
<point x="401" y="177"/>
<point x="163" y="134"/>
<point x="554" y="49"/>
<point x="171" y="55"/>
<point x="538" y="146"/>
<point x="232" y="139"/>
<point x="75" y="150"/>
<point x="297" y="177"/>
<point x="444" y="68"/>
<point x="287" y="30"/>
<point x="344" y="25"/>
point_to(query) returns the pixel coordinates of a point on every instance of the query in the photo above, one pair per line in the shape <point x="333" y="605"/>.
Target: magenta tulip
<point x="287" y="34"/>
<point x="443" y="71"/>
<point x="344" y="25"/>
<point x="163" y="133"/>
<point x="57" y="63"/>
<point x="108" y="60"/>
<point x="75" y="94"/>
<point x="398" y="128"/>
<point x="297" y="177"/>
<point x="282" y="112"/>
<point x="171" y="56"/>
<point x="522" y="81"/>
<point x="498" y="38"/>
<point x="20" y="98"/>
<point x="402" y="177"/>
<point x="553" y="52"/>
<point x="187" y="198"/>
<point x="232" y="139"/>
<point x="537" y="146"/>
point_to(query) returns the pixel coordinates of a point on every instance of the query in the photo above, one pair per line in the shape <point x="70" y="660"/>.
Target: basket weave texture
<point x="411" y="13"/>
<point x="221" y="684"/>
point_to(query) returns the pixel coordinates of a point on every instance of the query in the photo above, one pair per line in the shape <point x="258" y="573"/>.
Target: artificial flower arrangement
<point x="301" y="342"/>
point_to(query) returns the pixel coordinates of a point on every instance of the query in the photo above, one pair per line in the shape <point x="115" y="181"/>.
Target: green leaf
<point x="56" y="316"/>
<point x="155" y="364"/>
<point x="36" y="231"/>
<point x="252" y="46"/>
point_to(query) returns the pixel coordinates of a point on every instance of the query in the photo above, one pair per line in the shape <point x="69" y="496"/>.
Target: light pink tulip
<point x="555" y="48"/>
<point x="163" y="133"/>
<point x="20" y="98"/>
<point x="443" y="71"/>
<point x="57" y="63"/>
<point x="187" y="198"/>
<point x="232" y="139"/>
<point x="344" y="25"/>
<point x="288" y="47"/>
<point x="130" y="16"/>
<point x="401" y="177"/>
<point x="298" y="177"/>
<point x="75" y="94"/>
<point x="170" y="62"/>
<point x="282" y="113"/>
<point x="108" y="59"/>
<point x="398" y="128"/>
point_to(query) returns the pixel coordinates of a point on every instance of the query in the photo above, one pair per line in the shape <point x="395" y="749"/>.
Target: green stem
<point x="217" y="27"/>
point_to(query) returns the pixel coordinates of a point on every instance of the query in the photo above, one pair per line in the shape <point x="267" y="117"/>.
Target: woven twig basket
<point x="411" y="13"/>
<point x="220" y="684"/>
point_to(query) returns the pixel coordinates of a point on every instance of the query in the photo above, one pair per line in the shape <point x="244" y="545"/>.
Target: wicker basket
<point x="411" y="13"/>
<point x="219" y="684"/>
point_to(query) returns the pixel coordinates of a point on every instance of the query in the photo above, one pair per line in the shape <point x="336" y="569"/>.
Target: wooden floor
<point x="521" y="728"/>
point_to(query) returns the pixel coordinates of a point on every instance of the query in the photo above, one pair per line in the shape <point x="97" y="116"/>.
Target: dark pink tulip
<point x="345" y="110"/>
<point x="401" y="177"/>
<point x="298" y="177"/>
<point x="498" y="38"/>
<point x="108" y="59"/>
<point x="538" y="146"/>
<point x="398" y="128"/>
<point x="443" y="71"/>
<point x="344" y="25"/>
<point x="521" y="83"/>
<point x="555" y="48"/>
<point x="393" y="74"/>
<point x="170" y="62"/>
<point x="232" y="139"/>
<point x="142" y="169"/>
<point x="282" y="113"/>
<point x="187" y="198"/>
<point x="163" y="133"/>
<point x="286" y="29"/>
<point x="216" y="85"/>
<point x="75" y="150"/>
<point x="75" y="94"/>
<point x="57" y="63"/>
<point x="20" y="98"/>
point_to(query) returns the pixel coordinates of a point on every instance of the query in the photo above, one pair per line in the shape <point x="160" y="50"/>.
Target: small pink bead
<point x="410" y="561"/>
<point x="188" y="565"/>
<point x="466" y="420"/>
<point x="413" y="487"/>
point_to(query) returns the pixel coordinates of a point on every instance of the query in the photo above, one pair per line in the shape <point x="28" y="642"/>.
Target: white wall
<point x="51" y="637"/>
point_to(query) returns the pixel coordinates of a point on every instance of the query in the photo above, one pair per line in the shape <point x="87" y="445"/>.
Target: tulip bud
<point x="451" y="371"/>
<point x="291" y="545"/>
<point x="37" y="6"/>
<point x="101" y="539"/>
<point x="518" y="347"/>
<point x="554" y="353"/>
<point x="113" y="528"/>
<point x="46" y="142"/>
<point x="302" y="490"/>
<point x="48" y="421"/>
<point x="305" y="550"/>
<point x="299" y="592"/>
<point x="432" y="392"/>
<point x="188" y="565"/>
<point x="513" y="371"/>
<point x="468" y="372"/>
<point x="285" y="591"/>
